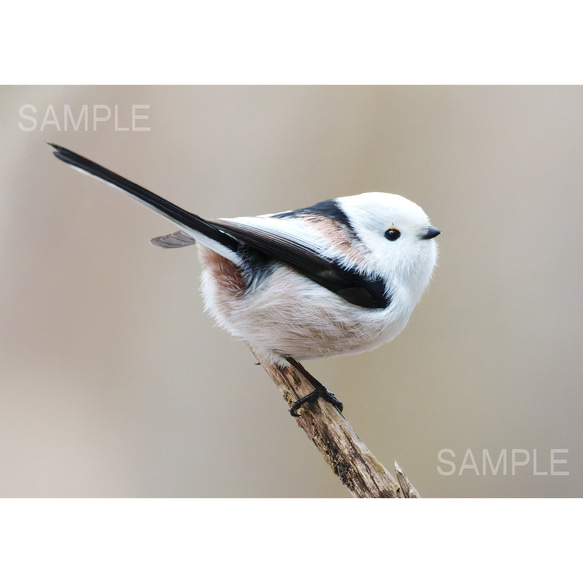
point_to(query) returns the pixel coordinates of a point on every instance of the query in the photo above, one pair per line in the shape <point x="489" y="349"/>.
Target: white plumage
<point x="339" y="277"/>
<point x="307" y="321"/>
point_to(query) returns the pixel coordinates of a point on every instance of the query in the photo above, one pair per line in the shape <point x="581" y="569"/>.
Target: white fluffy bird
<point x="339" y="277"/>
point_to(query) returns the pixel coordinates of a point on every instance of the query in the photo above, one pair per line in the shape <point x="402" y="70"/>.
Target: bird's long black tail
<point x="171" y="211"/>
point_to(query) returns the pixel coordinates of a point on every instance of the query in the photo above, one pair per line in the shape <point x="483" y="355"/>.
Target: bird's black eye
<point x="392" y="234"/>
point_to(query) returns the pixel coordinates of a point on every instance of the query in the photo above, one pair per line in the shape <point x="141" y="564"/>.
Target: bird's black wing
<point x="355" y="288"/>
<point x="307" y="259"/>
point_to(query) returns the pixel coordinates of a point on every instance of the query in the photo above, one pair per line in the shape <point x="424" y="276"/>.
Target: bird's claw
<point x="319" y="392"/>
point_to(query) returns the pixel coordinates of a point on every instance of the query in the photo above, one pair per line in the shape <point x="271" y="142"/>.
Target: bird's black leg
<point x="320" y="391"/>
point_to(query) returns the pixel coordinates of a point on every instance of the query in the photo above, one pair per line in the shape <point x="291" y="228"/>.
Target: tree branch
<point x="347" y="455"/>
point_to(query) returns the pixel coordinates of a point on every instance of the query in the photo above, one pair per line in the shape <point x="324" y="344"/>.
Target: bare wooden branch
<point x="350" y="459"/>
<point x="408" y="490"/>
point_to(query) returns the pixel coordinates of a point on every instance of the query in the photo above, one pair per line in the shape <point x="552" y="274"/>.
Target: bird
<point x="339" y="277"/>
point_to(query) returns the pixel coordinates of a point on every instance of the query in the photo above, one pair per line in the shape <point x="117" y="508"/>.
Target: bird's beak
<point x="430" y="233"/>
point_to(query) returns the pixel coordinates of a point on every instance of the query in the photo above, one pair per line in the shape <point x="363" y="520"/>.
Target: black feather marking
<point x="252" y="246"/>
<point x="355" y="288"/>
<point x="327" y="208"/>
<point x="168" y="209"/>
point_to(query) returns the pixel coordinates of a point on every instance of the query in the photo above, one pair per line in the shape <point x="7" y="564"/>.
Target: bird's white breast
<point x="289" y="315"/>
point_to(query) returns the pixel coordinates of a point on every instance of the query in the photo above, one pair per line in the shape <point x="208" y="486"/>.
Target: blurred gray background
<point x="113" y="382"/>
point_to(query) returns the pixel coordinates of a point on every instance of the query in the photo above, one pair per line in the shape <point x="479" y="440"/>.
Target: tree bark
<point x="350" y="459"/>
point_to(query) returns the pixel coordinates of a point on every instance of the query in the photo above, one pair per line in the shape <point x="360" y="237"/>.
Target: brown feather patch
<point x="338" y="234"/>
<point x="228" y="276"/>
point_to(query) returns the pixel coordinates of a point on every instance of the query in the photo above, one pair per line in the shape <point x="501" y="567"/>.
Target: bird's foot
<point x="319" y="392"/>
